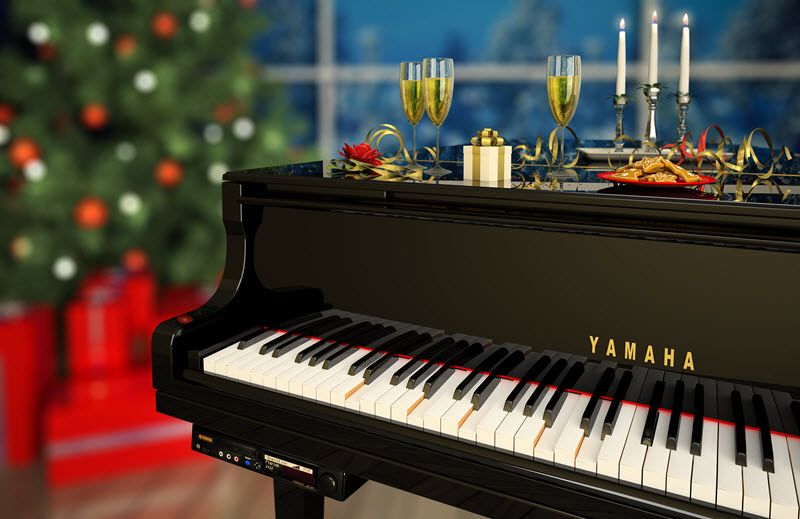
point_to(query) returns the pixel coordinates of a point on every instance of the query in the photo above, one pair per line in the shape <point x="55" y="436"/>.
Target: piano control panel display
<point x="326" y="481"/>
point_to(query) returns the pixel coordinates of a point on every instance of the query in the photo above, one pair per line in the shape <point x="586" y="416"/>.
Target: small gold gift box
<point x="488" y="159"/>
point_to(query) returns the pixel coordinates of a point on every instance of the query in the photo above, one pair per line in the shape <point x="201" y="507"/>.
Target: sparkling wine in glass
<point x="413" y="102"/>
<point x="438" y="78"/>
<point x="563" y="92"/>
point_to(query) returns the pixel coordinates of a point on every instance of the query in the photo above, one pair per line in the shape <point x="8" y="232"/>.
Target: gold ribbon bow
<point x="488" y="137"/>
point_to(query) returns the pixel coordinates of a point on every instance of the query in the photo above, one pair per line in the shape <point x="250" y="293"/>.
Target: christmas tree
<point x="117" y="121"/>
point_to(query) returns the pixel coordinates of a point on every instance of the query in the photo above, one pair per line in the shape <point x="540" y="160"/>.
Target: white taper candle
<point x="621" y="59"/>
<point x="683" y="79"/>
<point x="652" y="71"/>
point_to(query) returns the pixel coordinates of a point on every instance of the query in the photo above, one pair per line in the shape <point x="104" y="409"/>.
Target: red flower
<point x="361" y="152"/>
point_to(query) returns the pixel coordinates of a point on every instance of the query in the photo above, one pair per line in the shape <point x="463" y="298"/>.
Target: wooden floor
<point x="201" y="490"/>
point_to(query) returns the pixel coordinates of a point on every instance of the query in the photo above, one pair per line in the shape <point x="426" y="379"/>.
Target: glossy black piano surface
<point x="678" y="288"/>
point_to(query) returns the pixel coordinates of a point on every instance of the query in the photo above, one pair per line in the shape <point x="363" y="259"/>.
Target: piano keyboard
<point x="734" y="447"/>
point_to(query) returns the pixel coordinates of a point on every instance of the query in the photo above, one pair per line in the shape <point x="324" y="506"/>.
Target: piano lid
<point x="782" y="190"/>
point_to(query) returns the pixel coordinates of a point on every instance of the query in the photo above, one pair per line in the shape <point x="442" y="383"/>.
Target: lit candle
<point x="652" y="71"/>
<point x="621" y="58"/>
<point x="683" y="79"/>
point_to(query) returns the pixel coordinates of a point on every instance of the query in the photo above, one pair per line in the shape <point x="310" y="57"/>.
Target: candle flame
<point x="655" y="17"/>
<point x="622" y="24"/>
<point x="685" y="19"/>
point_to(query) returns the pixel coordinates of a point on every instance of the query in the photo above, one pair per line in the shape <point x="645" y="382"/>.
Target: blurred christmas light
<point x="34" y="170"/>
<point x="97" y="34"/>
<point x="145" y="81"/>
<point x="130" y="203"/>
<point x="20" y="247"/>
<point x="243" y="128"/>
<point x="5" y="134"/>
<point x="215" y="172"/>
<point x="64" y="268"/>
<point x="38" y="33"/>
<point x="212" y="133"/>
<point x="199" y="21"/>
<point x="125" y="151"/>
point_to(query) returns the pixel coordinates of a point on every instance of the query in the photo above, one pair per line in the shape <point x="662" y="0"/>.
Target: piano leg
<point x="292" y="502"/>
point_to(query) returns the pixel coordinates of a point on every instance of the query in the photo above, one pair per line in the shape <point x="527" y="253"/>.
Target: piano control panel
<point x="325" y="481"/>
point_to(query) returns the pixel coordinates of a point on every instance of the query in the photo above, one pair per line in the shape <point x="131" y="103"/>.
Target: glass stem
<point x="561" y="148"/>
<point x="414" y="144"/>
<point x="438" y="149"/>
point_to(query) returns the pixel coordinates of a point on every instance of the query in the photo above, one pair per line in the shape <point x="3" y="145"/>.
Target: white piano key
<point x="383" y="405"/>
<point x="311" y="384"/>
<point x="631" y="463"/>
<point x="326" y="386"/>
<point x="729" y="474"/>
<point x="546" y="446"/>
<point x="495" y="414"/>
<point x="679" y="471"/>
<point x="232" y="365"/>
<point x="569" y="443"/>
<point x="586" y="460"/>
<point x="794" y="456"/>
<point x="457" y="414"/>
<point x="531" y="429"/>
<point x="346" y="388"/>
<point x="406" y="404"/>
<point x="429" y="412"/>
<point x="656" y="461"/>
<point x="608" y="459"/>
<point x="282" y="379"/>
<point x="216" y="363"/>
<point x="704" y="466"/>
<point x="755" y="483"/>
<point x="782" y="489"/>
<point x="469" y="430"/>
<point x="377" y="388"/>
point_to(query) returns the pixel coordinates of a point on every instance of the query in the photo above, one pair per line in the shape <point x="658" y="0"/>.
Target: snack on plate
<point x="654" y="169"/>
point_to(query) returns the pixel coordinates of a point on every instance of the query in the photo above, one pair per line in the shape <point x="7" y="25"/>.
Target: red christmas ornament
<point x="165" y="25"/>
<point x="169" y="173"/>
<point x="125" y="45"/>
<point x="248" y="4"/>
<point x="90" y="213"/>
<point x="362" y="152"/>
<point x="7" y="113"/>
<point x="135" y="260"/>
<point x="224" y="112"/>
<point x="46" y="51"/>
<point x="94" y="116"/>
<point x="22" y="150"/>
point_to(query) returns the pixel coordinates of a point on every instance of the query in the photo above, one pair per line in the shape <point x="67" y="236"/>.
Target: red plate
<point x="704" y="179"/>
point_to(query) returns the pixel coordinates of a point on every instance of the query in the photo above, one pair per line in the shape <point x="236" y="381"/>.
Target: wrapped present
<point x="488" y="159"/>
<point x="137" y="289"/>
<point x="98" y="334"/>
<point x="27" y="368"/>
<point x="95" y="427"/>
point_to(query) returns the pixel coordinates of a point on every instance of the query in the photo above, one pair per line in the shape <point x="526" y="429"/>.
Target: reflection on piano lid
<point x="489" y="348"/>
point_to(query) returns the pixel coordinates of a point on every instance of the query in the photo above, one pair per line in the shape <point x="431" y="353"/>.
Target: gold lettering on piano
<point x="649" y="356"/>
<point x="630" y="350"/>
<point x="611" y="350"/>
<point x="688" y="362"/>
<point x="670" y="358"/>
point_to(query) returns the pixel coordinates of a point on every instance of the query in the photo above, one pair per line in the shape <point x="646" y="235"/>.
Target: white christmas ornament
<point x="130" y="204"/>
<point x="145" y="81"/>
<point x="34" y="170"/>
<point x="199" y="21"/>
<point x="64" y="268"/>
<point x="126" y="151"/>
<point x="97" y="34"/>
<point x="38" y="33"/>
<point x="212" y="133"/>
<point x="215" y="172"/>
<point x="243" y="128"/>
<point x="5" y="134"/>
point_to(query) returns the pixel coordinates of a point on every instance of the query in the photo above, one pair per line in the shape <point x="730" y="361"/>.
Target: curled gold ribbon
<point x="488" y="137"/>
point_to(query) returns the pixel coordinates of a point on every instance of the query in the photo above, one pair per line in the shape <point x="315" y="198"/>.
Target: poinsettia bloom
<point x="361" y="152"/>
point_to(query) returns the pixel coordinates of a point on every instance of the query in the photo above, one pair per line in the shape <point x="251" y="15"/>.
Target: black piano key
<point x="287" y="327"/>
<point x="675" y="416"/>
<point x="435" y="381"/>
<point x="367" y="338"/>
<point x="786" y="418"/>
<point x="486" y="364"/>
<point x="313" y="329"/>
<point x="795" y="407"/>
<point x="652" y="414"/>
<point x="387" y="348"/>
<point x="620" y="394"/>
<point x="559" y="396"/>
<point x="483" y="391"/>
<point x="335" y="336"/>
<point x="548" y="379"/>
<point x="593" y="406"/>
<point x="281" y="343"/>
<point x="420" y="358"/>
<point x="418" y="371"/>
<point x="380" y="365"/>
<point x="767" y="457"/>
<point x="696" y="446"/>
<point x="738" y="421"/>
<point x="532" y="374"/>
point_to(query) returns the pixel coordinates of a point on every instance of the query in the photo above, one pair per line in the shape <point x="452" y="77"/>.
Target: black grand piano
<point x="583" y="350"/>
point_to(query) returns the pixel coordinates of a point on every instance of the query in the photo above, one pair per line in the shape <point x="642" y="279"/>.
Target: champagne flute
<point x="439" y="77"/>
<point x="563" y="92"/>
<point x="413" y="102"/>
